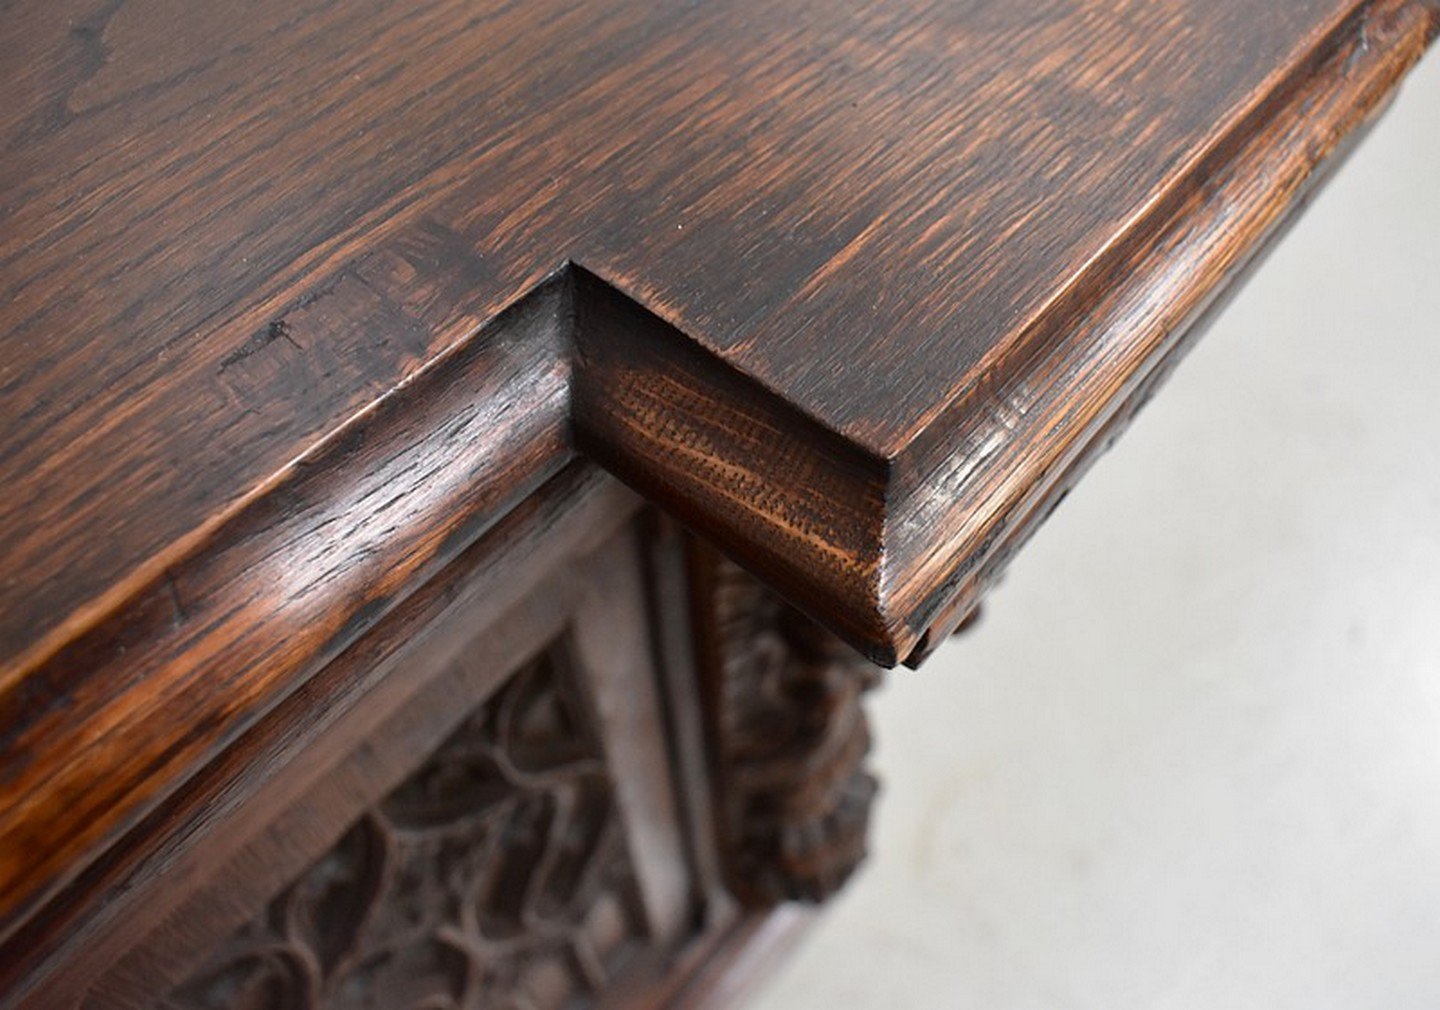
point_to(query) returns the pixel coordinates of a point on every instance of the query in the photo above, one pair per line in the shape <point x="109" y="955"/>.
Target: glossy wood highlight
<point x="302" y="298"/>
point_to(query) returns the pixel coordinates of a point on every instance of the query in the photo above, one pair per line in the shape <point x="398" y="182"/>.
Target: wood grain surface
<point x="301" y="297"/>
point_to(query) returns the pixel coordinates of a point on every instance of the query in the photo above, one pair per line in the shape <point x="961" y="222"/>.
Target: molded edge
<point x="888" y="553"/>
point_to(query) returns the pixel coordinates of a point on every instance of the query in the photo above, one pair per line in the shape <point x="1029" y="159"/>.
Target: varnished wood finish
<point x="497" y="873"/>
<point x="579" y="739"/>
<point x="303" y="297"/>
<point x="276" y="879"/>
<point x="790" y="737"/>
<point x="484" y="602"/>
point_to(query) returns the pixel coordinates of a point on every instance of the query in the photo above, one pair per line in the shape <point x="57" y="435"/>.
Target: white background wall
<point x="1191" y="757"/>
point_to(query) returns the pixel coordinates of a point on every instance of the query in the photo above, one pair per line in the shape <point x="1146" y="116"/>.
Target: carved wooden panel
<point x="497" y="875"/>
<point x="792" y="738"/>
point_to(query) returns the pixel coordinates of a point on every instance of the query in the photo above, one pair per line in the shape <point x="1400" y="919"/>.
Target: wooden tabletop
<point x="300" y="297"/>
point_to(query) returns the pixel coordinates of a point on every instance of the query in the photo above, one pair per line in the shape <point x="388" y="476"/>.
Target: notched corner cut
<point x="770" y="486"/>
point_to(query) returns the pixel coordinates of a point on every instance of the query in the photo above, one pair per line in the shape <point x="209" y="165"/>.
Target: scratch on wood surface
<point x="278" y="329"/>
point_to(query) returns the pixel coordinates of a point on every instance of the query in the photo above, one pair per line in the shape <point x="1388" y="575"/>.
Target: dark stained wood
<point x="744" y="956"/>
<point x="303" y="297"/>
<point x="790" y="739"/>
<point x="517" y="810"/>
<point x="531" y="857"/>
<point x="115" y="719"/>
<point x="486" y="604"/>
<point x="326" y="857"/>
